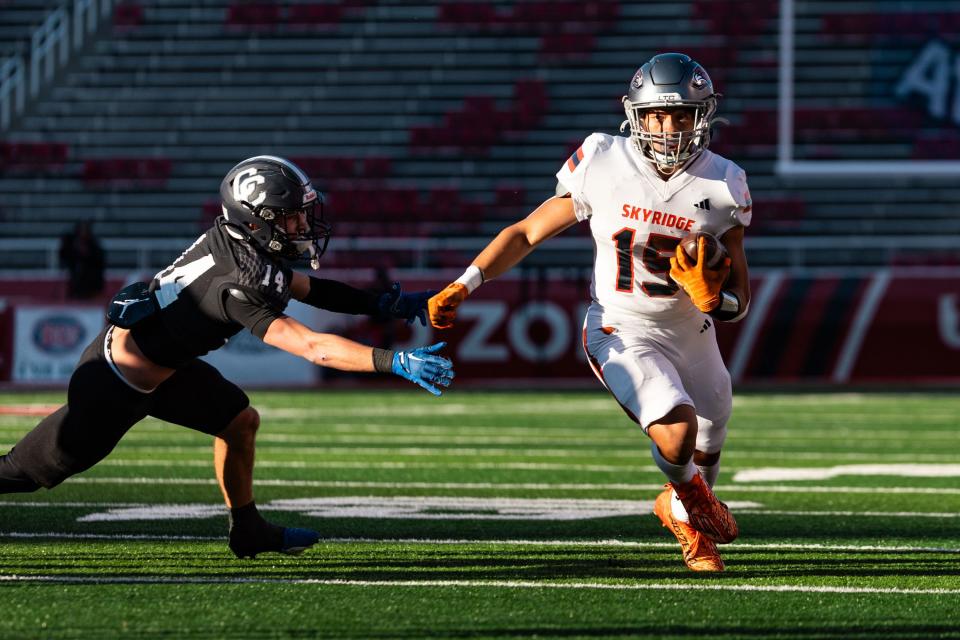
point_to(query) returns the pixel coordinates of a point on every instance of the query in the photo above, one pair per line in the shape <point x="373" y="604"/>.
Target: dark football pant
<point x="101" y="408"/>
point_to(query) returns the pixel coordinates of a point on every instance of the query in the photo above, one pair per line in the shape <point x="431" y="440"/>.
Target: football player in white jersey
<point x="649" y="332"/>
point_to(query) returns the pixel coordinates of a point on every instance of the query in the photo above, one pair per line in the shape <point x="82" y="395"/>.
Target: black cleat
<point x="276" y="539"/>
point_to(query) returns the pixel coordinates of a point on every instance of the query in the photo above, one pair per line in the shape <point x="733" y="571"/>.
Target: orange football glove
<point x="700" y="283"/>
<point x="443" y="306"/>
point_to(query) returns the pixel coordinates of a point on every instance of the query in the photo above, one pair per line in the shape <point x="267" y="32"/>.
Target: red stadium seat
<point x="126" y="173"/>
<point x="127" y="16"/>
<point x="566" y="46"/>
<point x="377" y="167"/>
<point x="313" y="15"/>
<point x="253" y="16"/>
<point x="478" y="124"/>
<point x="736" y="19"/>
<point x="32" y="158"/>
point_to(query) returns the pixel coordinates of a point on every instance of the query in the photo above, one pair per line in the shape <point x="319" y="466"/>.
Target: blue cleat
<point x="296" y="541"/>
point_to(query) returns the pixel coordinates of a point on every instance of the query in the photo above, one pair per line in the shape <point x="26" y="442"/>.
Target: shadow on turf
<point x="863" y="530"/>
<point x="887" y="632"/>
<point x="375" y="562"/>
<point x="574" y="564"/>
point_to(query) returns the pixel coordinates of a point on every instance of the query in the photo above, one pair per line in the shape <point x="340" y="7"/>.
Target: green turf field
<point x="499" y="516"/>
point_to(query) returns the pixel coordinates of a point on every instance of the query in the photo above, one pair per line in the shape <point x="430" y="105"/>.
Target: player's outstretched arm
<point x="421" y="366"/>
<point x="509" y="247"/>
<point x="340" y="297"/>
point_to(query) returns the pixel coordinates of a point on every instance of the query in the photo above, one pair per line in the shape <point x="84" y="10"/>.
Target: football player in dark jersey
<point x="236" y="275"/>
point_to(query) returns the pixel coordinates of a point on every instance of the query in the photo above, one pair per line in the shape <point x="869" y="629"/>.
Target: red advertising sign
<point x="892" y="326"/>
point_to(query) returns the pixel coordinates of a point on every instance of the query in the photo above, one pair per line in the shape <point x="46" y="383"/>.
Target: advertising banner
<point x="890" y="326"/>
<point x="48" y="340"/>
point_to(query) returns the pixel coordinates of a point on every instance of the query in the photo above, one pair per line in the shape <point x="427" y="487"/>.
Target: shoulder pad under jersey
<point x="572" y="175"/>
<point x="737" y="183"/>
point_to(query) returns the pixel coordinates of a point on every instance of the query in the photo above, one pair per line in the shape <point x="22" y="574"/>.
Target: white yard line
<point x="202" y="453"/>
<point x="734" y="454"/>
<point x="610" y="543"/>
<point x="587" y="438"/>
<point x="847" y="514"/>
<point x="108" y="536"/>
<point x="914" y="470"/>
<point x="328" y="464"/>
<point x="640" y="454"/>
<point x="554" y="405"/>
<point x="497" y="584"/>
<point x="73" y="505"/>
<point x="537" y="486"/>
<point x="928" y="470"/>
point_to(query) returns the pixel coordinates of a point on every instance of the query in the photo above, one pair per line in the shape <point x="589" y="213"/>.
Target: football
<point x="715" y="251"/>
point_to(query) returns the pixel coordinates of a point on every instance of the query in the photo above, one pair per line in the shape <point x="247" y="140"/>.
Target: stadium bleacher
<point x="439" y="119"/>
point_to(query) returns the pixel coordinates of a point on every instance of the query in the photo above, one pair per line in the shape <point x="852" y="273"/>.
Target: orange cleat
<point x="699" y="552"/>
<point x="707" y="514"/>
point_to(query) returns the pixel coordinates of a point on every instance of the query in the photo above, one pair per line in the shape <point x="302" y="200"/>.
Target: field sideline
<point x="498" y="515"/>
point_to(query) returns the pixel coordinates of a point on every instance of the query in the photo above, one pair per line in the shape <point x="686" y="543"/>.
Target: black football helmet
<point x="670" y="80"/>
<point x="260" y="192"/>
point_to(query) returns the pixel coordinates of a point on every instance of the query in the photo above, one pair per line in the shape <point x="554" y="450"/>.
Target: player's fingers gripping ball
<point x="443" y="306"/>
<point x="701" y="282"/>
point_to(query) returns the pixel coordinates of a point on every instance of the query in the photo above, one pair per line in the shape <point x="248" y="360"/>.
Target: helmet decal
<point x="245" y="187"/>
<point x="700" y="78"/>
<point x="638" y="79"/>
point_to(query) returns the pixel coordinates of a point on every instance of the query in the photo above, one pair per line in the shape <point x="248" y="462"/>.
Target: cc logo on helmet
<point x="700" y="78"/>
<point x="245" y="187"/>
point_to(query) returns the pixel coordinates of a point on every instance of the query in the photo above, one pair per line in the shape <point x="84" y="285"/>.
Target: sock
<point x="250" y="533"/>
<point x="679" y="512"/>
<point x="245" y="516"/>
<point x="710" y="473"/>
<point x="676" y="473"/>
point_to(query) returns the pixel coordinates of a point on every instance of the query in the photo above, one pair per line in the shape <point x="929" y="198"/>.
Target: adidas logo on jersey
<point x="703" y="204"/>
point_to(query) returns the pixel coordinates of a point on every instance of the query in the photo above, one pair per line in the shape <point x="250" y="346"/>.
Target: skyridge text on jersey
<point x="658" y="217"/>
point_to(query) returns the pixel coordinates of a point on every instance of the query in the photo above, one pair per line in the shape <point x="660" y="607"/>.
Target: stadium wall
<point x="886" y="327"/>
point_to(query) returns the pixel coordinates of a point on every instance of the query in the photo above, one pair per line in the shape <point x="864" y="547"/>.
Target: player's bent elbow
<point x="743" y="313"/>
<point x="530" y="235"/>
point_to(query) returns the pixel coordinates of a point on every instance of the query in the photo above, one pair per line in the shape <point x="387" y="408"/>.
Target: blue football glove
<point x="421" y="367"/>
<point x="407" y="306"/>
